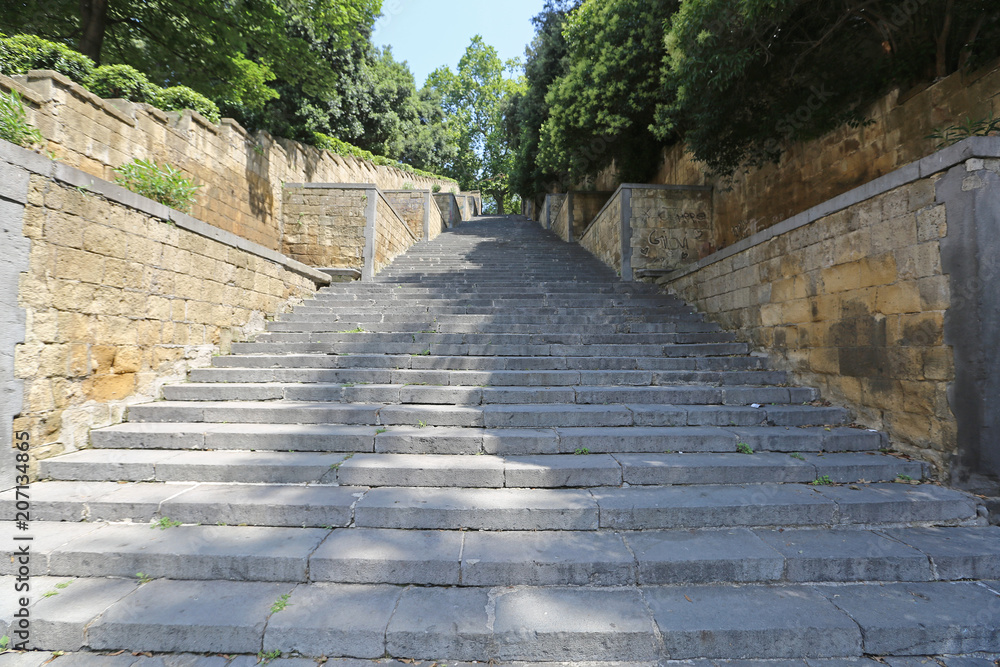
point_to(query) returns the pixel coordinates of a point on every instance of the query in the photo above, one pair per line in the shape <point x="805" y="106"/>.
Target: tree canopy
<point x="613" y="81"/>
<point x="474" y="99"/>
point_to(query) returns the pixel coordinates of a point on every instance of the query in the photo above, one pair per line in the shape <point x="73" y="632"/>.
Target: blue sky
<point x="430" y="33"/>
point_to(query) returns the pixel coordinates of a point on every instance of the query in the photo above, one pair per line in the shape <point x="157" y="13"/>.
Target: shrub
<point x="21" y="53"/>
<point x="122" y="81"/>
<point x="178" y="98"/>
<point x="163" y="184"/>
<point x="435" y="188"/>
<point x="14" y="126"/>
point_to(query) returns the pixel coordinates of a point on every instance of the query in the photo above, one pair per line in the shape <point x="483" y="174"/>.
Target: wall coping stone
<point x="41" y="165"/>
<point x="985" y="147"/>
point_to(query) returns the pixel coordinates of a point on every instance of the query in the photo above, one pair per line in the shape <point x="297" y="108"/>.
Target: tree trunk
<point x="93" y="21"/>
<point x="941" y="64"/>
<point x="498" y="198"/>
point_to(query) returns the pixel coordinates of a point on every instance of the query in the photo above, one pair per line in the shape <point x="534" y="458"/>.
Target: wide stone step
<point x="499" y="363"/>
<point x="635" y="508"/>
<point x="416" y="439"/>
<point x="543" y="558"/>
<point x="499" y="378"/>
<point x="493" y="471"/>
<point x="490" y="416"/>
<point x="497" y="350"/>
<point x="520" y="623"/>
<point x="422" y="393"/>
<point x="305" y="323"/>
<point x="388" y="339"/>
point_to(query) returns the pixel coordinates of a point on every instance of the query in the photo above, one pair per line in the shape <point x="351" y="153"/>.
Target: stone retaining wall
<point x="111" y="295"/>
<point x="241" y="174"/>
<point x="812" y="172"/>
<point x="411" y="205"/>
<point x="884" y="298"/>
<point x="393" y="236"/>
<point x="604" y="236"/>
<point x="325" y="227"/>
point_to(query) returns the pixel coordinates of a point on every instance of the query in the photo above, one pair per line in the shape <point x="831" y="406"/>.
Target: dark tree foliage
<point x="526" y="112"/>
<point x="601" y="109"/>
<point x="750" y="75"/>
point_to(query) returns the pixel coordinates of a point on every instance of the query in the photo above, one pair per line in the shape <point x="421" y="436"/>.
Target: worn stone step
<point x="492" y="363"/>
<point x="336" y="334"/>
<point x="299" y="322"/>
<point x="499" y="378"/>
<point x="705" y="437"/>
<point x="500" y="350"/>
<point x="421" y="393"/>
<point x="490" y="416"/>
<point x="520" y="623"/>
<point x="543" y="558"/>
<point x="635" y="508"/>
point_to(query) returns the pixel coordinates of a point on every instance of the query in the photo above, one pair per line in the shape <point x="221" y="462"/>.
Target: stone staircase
<point x="500" y="452"/>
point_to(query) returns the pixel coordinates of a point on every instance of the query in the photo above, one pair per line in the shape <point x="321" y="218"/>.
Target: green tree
<point x="528" y="111"/>
<point x="228" y="50"/>
<point x="600" y="111"/>
<point x="474" y="99"/>
<point x="747" y="76"/>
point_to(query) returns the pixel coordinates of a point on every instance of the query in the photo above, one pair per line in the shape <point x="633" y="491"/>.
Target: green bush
<point x="163" y="184"/>
<point x="14" y="126"/>
<point x="21" y="53"/>
<point x="122" y="81"/>
<point x="435" y="188"/>
<point x="178" y="98"/>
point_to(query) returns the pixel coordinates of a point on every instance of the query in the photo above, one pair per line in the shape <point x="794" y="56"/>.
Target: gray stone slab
<point x="873" y="467"/>
<point x="751" y="622"/>
<point x="161" y="436"/>
<point x="549" y="471"/>
<point x="969" y="661"/>
<point x="957" y="553"/>
<point x="712" y="506"/>
<point x="700" y="557"/>
<point x="45" y="537"/>
<point x="546" y="559"/>
<point x="431" y="415"/>
<point x="487" y="509"/>
<point x="422" y="470"/>
<point x="60" y="621"/>
<point x="362" y="555"/>
<point x="911" y="661"/>
<point x="922" y="618"/>
<point x="181" y="660"/>
<point x="346" y="620"/>
<point x="841" y="662"/>
<point x="297" y="437"/>
<point x="898" y="503"/>
<point x="268" y="505"/>
<point x="429" y="440"/>
<point x="134" y="501"/>
<point x="104" y="465"/>
<point x="565" y="624"/>
<point x="845" y="555"/>
<point x="24" y="658"/>
<point x="515" y="441"/>
<point x="269" y="467"/>
<point x="647" y="439"/>
<point x="721" y="468"/>
<point x="542" y="416"/>
<point x="101" y="660"/>
<point x="246" y="553"/>
<point x="58" y="501"/>
<point x="431" y="623"/>
<point x="198" y="616"/>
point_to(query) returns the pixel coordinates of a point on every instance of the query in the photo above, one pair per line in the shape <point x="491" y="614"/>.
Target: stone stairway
<point x="500" y="452"/>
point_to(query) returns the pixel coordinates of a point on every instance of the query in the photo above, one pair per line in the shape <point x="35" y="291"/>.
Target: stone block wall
<point x="325" y="227"/>
<point x="241" y="174"/>
<point x="435" y="221"/>
<point x="393" y="236"/>
<point x="603" y="238"/>
<point x="411" y="205"/>
<point x="448" y="205"/>
<point x="880" y="297"/>
<point x="670" y="227"/>
<point x="561" y="225"/>
<point x="119" y="295"/>
<point x="550" y="209"/>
